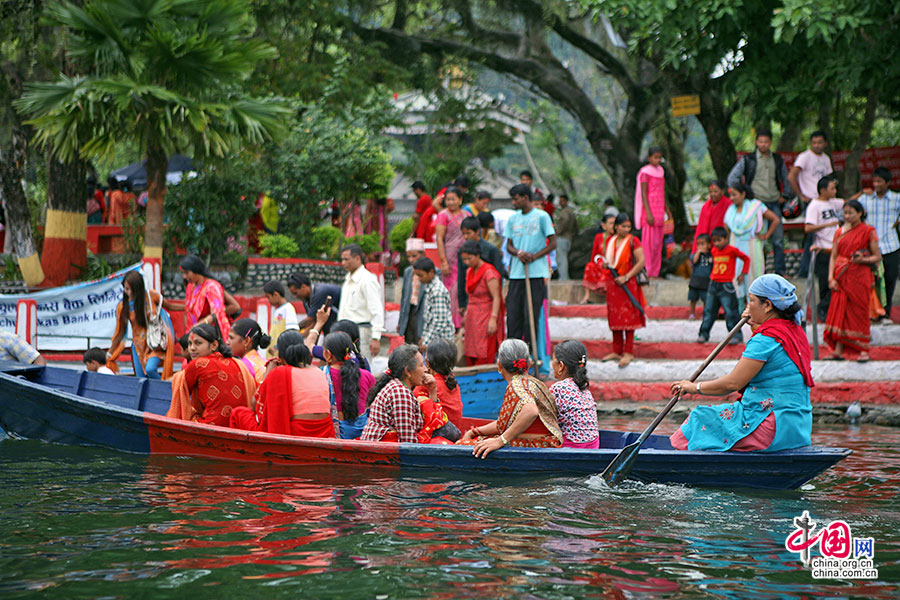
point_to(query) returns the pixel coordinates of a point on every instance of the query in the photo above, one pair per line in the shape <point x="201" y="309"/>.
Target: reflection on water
<point x="82" y="522"/>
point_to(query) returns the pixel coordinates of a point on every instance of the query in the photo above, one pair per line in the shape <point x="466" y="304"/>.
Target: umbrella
<point x="135" y="174"/>
<point x="631" y="297"/>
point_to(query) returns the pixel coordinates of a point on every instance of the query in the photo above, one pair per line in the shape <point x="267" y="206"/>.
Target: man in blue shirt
<point x="530" y="237"/>
<point x="313" y="297"/>
<point x="883" y="208"/>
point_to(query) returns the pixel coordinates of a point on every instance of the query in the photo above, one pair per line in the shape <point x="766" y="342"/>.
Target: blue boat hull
<point x="125" y="414"/>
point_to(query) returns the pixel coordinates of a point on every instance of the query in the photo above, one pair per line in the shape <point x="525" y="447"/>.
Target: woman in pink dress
<point x="449" y="240"/>
<point x="651" y="209"/>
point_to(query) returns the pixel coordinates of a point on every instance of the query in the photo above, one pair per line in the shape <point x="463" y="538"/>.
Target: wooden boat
<point x="124" y="413"/>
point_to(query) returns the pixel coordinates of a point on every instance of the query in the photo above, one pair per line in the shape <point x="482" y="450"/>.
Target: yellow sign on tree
<point x="684" y="106"/>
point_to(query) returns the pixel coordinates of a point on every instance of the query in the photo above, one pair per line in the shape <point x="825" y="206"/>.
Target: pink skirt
<point x="592" y="445"/>
<point x="760" y="439"/>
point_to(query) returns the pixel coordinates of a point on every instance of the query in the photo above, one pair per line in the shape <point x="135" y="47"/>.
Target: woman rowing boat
<point x="773" y="375"/>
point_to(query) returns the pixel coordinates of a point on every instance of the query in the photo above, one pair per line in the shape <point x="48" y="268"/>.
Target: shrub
<point x="326" y="241"/>
<point x="400" y="233"/>
<point x="278" y="246"/>
<point x="369" y="242"/>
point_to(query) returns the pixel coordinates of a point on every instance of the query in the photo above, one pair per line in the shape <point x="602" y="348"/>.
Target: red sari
<point x="593" y="272"/>
<point x="275" y="410"/>
<point x="480" y="348"/>
<point x="620" y="311"/>
<point x="217" y="385"/>
<point x="848" y="313"/>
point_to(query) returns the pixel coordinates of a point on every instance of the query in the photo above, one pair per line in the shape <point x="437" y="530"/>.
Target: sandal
<point x="626" y="360"/>
<point x="863" y="358"/>
<point x="836" y="357"/>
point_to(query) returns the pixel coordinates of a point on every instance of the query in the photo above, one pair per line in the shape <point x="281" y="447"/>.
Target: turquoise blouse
<point x="778" y="387"/>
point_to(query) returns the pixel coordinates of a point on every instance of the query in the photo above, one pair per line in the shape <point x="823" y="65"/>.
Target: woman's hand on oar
<point x="684" y="387"/>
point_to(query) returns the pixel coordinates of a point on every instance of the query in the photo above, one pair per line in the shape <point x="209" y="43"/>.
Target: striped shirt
<point x="15" y="349"/>
<point x="883" y="213"/>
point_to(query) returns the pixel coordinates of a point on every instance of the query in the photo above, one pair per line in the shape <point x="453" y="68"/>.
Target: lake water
<point x="80" y="522"/>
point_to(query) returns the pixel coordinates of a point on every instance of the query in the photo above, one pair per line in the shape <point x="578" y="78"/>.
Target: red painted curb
<point x="693" y="351"/>
<point x="870" y="392"/>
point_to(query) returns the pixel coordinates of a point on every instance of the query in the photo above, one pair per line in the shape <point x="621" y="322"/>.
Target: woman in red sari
<point x="593" y="272"/>
<point x="294" y="398"/>
<point x="216" y="382"/>
<point x="528" y="416"/>
<point x="624" y="254"/>
<point x="850" y="278"/>
<point x="484" y="316"/>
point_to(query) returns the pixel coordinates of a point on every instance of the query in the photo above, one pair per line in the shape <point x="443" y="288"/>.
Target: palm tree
<point x="164" y="73"/>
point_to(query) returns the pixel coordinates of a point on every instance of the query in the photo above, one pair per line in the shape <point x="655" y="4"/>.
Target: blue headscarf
<point x="777" y="289"/>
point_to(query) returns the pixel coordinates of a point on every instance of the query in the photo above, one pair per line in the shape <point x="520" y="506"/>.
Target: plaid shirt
<point x="883" y="214"/>
<point x="14" y="349"/>
<point x="394" y="409"/>
<point x="437" y="320"/>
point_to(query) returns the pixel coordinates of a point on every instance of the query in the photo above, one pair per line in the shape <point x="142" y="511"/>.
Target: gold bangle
<point x="503" y="439"/>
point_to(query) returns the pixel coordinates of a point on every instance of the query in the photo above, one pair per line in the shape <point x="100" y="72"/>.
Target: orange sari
<point x="848" y="313"/>
<point x="522" y="390"/>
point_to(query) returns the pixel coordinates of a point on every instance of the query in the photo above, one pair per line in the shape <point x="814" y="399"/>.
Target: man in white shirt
<point x="361" y="300"/>
<point x="809" y="167"/>
<point x="822" y="219"/>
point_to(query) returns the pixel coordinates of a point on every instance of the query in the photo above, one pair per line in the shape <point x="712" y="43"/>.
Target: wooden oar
<point x="534" y="349"/>
<point x="621" y="465"/>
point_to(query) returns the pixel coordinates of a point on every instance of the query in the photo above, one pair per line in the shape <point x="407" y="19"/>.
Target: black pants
<point x="517" y="326"/>
<point x="821" y="267"/>
<point x="891" y="272"/>
<point x="411" y="335"/>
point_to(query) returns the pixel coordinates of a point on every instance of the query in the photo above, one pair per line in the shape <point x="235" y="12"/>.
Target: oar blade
<point x="617" y="470"/>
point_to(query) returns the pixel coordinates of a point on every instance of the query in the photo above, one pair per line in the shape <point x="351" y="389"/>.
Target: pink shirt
<point x="813" y="167"/>
<point x="309" y="392"/>
<point x="824" y="211"/>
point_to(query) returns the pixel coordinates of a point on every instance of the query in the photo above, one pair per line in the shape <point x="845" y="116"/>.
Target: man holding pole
<point x="530" y="238"/>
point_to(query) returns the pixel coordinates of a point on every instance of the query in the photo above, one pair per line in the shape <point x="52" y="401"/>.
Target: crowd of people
<point x="310" y="374"/>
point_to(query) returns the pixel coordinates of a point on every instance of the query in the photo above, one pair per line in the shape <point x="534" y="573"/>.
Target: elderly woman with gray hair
<point x="528" y="415"/>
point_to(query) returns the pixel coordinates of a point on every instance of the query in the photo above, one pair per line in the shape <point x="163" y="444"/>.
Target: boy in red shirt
<point x="721" y="286"/>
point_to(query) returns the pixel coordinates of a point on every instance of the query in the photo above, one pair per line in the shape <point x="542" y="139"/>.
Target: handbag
<point x="642" y="278"/>
<point x="157" y="332"/>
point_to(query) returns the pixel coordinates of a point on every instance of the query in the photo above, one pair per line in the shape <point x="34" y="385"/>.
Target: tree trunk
<point x="789" y="135"/>
<point x="715" y="124"/>
<point x="157" y="165"/>
<point x="851" y="169"/>
<point x="18" y="220"/>
<point x="65" y="235"/>
<point x="671" y="136"/>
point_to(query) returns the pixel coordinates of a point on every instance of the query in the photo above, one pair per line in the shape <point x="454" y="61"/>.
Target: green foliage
<point x="326" y="241"/>
<point x="369" y="242"/>
<point x="322" y="158"/>
<point x="133" y="236"/>
<point x="207" y="214"/>
<point x="10" y="270"/>
<point x="400" y="233"/>
<point x="163" y="73"/>
<point x="96" y="268"/>
<point x="278" y="246"/>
